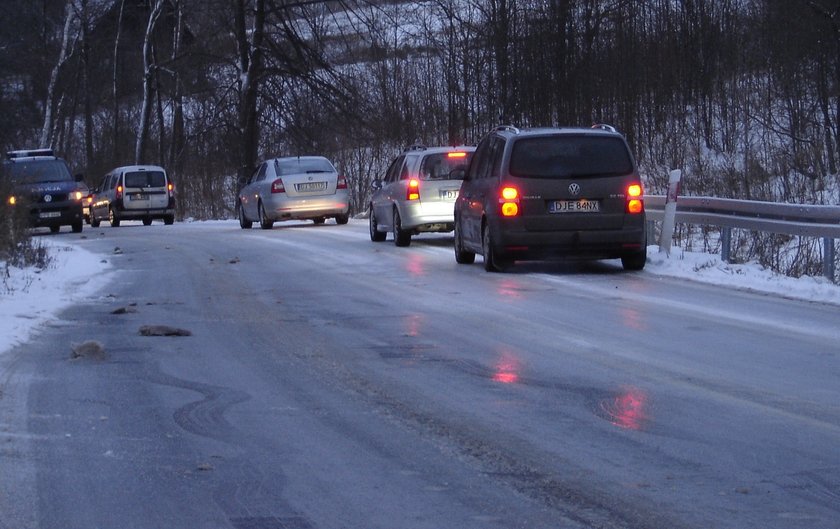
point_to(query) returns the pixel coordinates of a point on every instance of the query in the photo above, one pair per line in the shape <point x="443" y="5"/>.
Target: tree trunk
<point x="46" y="130"/>
<point x="148" y="79"/>
<point x="250" y="69"/>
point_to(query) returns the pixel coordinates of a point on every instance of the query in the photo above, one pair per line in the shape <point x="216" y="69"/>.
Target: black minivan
<point x="569" y="193"/>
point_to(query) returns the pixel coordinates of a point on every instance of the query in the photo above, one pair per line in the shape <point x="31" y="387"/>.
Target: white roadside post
<point x="669" y="221"/>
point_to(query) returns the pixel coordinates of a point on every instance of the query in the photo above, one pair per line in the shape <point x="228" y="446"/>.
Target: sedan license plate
<point x="49" y="214"/>
<point x="574" y="206"/>
<point x="448" y="194"/>
<point x="311" y="186"/>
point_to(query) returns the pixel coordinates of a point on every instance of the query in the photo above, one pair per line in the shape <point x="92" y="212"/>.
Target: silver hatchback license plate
<point x="574" y="206"/>
<point x="311" y="186"/>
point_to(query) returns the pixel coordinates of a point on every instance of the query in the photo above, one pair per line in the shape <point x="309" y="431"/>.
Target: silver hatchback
<point x="418" y="193"/>
<point x="299" y="187"/>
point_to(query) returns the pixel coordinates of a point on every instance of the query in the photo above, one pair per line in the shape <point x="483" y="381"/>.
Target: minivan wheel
<point x="147" y="221"/>
<point x="375" y="234"/>
<point x="94" y="222"/>
<point x="265" y="222"/>
<point x="244" y="223"/>
<point x="462" y="256"/>
<point x="493" y="262"/>
<point x="112" y="218"/>
<point x="169" y="220"/>
<point x="634" y="261"/>
<point x="401" y="237"/>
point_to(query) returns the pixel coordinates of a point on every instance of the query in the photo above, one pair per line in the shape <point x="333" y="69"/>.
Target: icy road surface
<point x="331" y="382"/>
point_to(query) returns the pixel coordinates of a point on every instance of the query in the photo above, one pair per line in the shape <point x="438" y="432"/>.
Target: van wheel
<point x="169" y="220"/>
<point x="634" y="261"/>
<point x="265" y="222"/>
<point x="244" y="223"/>
<point x="77" y="226"/>
<point x="147" y="221"/>
<point x="113" y="219"/>
<point x="401" y="237"/>
<point x="462" y="256"/>
<point x="493" y="262"/>
<point x="375" y="234"/>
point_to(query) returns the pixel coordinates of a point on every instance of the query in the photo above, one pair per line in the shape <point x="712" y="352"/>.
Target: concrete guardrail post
<point x="669" y="219"/>
<point x="828" y="258"/>
<point x="725" y="243"/>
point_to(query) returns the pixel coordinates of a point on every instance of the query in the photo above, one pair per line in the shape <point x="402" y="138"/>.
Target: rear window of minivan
<point x="566" y="156"/>
<point x="145" y="179"/>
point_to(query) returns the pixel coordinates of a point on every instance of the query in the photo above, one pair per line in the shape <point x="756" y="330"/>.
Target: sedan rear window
<point x="441" y="166"/>
<point x="145" y="179"/>
<point x="303" y="166"/>
<point x="570" y="156"/>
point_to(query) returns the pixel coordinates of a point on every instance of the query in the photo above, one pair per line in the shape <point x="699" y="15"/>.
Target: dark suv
<point x="551" y="193"/>
<point x="42" y="183"/>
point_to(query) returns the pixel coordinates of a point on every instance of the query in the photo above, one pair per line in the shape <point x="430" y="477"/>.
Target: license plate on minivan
<point x="448" y="194"/>
<point x="574" y="206"/>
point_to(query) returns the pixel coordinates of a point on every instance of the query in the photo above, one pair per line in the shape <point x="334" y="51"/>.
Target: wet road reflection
<point x="506" y="369"/>
<point x="628" y="409"/>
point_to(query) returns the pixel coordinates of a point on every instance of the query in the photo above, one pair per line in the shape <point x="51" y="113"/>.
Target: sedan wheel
<point x="375" y="234"/>
<point x="244" y="223"/>
<point x="265" y="222"/>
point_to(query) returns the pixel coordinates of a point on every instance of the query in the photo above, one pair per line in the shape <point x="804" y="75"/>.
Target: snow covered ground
<point x="30" y="298"/>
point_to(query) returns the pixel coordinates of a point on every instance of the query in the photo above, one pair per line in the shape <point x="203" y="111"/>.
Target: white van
<point x="134" y="192"/>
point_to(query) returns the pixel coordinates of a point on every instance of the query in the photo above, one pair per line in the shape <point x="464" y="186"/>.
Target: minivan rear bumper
<point x="518" y="243"/>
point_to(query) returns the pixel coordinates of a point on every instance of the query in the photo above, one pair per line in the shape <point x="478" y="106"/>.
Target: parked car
<point x="134" y="192"/>
<point x="551" y="193"/>
<point x="299" y="187"/>
<point x="418" y="193"/>
<point x="41" y="182"/>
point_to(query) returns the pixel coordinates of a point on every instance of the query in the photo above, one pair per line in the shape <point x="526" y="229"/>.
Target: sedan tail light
<point x="635" y="202"/>
<point x="509" y="201"/>
<point x="277" y="186"/>
<point x="413" y="190"/>
<point x="342" y="183"/>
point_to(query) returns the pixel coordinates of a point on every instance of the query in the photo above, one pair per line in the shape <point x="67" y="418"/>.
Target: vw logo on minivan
<point x="574" y="189"/>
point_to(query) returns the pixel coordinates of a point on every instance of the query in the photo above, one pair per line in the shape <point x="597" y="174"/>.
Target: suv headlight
<point x="76" y="195"/>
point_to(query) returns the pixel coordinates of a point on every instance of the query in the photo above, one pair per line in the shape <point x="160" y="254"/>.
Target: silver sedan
<point x="300" y="187"/>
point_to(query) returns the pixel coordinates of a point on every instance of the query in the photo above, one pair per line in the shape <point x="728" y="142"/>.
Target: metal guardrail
<point x="771" y="217"/>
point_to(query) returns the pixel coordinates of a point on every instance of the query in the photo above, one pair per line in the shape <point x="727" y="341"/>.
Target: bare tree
<point x="68" y="37"/>
<point x="149" y="72"/>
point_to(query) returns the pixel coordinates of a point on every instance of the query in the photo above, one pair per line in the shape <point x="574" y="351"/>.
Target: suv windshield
<point x="440" y="166"/>
<point x="145" y="179"/>
<point x="38" y="171"/>
<point x="565" y="156"/>
<point x="302" y="166"/>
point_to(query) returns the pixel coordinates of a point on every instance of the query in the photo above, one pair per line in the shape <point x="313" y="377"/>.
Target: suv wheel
<point x="77" y="226"/>
<point x="265" y="222"/>
<point x="55" y="229"/>
<point x="113" y="218"/>
<point x="462" y="256"/>
<point x="493" y="262"/>
<point x="244" y="223"/>
<point x="401" y="237"/>
<point x="375" y="234"/>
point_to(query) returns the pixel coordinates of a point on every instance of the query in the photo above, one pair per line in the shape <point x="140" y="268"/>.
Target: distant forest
<point x="743" y="95"/>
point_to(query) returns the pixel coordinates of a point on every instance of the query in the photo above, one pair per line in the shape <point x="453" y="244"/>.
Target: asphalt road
<point x="331" y="382"/>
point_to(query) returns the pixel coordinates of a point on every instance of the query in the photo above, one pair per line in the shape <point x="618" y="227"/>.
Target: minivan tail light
<point x="170" y="188"/>
<point x="277" y="186"/>
<point x="342" y="183"/>
<point x="509" y="201"/>
<point x="635" y="202"/>
<point x="119" y="191"/>
<point x="413" y="190"/>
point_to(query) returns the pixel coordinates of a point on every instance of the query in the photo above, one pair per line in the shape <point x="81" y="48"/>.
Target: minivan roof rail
<point x="416" y="147"/>
<point x="604" y="126"/>
<point x="507" y="128"/>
